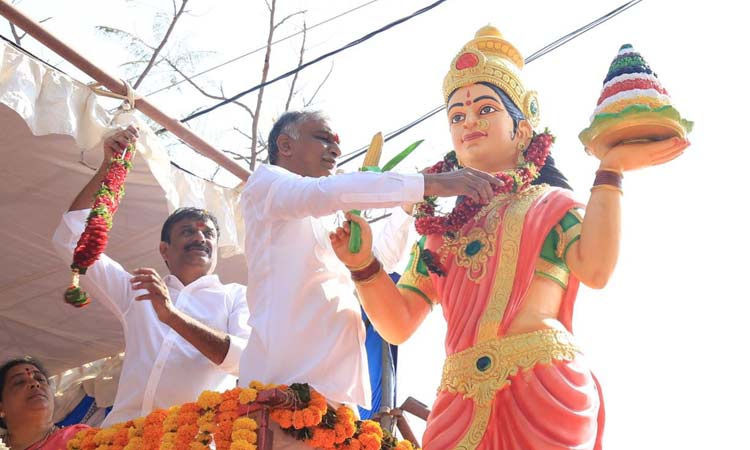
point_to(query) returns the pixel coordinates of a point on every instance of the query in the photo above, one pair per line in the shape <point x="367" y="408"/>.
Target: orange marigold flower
<point x="404" y="445"/>
<point x="298" y="419"/>
<point x="283" y="417"/>
<point x="198" y="446"/>
<point x="341" y="433"/>
<point x="371" y="427"/>
<point x="311" y="417"/>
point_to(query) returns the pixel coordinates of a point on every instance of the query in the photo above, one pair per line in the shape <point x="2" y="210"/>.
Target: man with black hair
<point x="184" y="333"/>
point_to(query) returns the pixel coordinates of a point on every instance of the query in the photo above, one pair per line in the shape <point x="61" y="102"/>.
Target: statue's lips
<point x="473" y="136"/>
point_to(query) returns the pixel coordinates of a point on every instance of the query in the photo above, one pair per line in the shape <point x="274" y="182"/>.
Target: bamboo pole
<point x="117" y="86"/>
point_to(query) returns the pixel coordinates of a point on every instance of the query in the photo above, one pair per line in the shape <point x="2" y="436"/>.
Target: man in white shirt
<point x="184" y="333"/>
<point x="305" y="320"/>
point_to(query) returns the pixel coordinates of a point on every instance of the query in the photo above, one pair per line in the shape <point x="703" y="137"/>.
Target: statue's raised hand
<point x="636" y="155"/>
<point x="340" y="242"/>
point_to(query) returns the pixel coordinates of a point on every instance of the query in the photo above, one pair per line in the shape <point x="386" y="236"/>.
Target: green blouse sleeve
<point x="416" y="278"/>
<point x="551" y="263"/>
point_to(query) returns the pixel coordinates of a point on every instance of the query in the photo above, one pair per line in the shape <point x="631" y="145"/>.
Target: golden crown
<point x="490" y="58"/>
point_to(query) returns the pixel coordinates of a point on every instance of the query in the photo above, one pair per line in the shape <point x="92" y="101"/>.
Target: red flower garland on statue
<point x="93" y="240"/>
<point x="514" y="181"/>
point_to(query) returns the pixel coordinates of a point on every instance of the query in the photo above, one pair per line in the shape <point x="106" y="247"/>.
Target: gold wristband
<point x="606" y="187"/>
<point x="363" y="265"/>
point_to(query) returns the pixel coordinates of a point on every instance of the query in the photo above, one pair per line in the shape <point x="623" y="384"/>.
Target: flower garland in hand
<point x="93" y="240"/>
<point x="514" y="181"/>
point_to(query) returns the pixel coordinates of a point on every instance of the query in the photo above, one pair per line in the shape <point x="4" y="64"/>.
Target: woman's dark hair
<point x="11" y="364"/>
<point x="549" y="174"/>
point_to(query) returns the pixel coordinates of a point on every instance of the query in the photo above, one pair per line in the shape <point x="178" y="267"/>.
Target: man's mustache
<point x="203" y="247"/>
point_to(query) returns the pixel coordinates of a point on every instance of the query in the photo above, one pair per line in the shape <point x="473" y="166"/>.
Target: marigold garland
<point x="515" y="180"/>
<point x="93" y="240"/>
<point x="217" y="417"/>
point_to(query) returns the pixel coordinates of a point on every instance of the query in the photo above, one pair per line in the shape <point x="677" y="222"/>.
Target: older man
<point x="305" y="320"/>
<point x="184" y="333"/>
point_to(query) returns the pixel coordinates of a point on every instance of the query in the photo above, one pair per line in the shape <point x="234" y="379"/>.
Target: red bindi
<point x="201" y="225"/>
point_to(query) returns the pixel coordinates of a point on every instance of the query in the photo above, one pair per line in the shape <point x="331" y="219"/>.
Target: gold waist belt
<point x="480" y="371"/>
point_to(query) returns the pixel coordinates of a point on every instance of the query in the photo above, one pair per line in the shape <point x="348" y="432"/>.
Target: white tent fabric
<point x="51" y="128"/>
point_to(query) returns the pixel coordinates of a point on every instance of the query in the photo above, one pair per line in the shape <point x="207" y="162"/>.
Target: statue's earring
<point x="521" y="157"/>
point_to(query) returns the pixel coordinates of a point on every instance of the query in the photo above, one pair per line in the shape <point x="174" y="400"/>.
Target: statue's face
<point x="482" y="130"/>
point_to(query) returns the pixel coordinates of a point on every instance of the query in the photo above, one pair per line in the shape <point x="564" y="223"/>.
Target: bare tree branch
<point x="299" y="63"/>
<point x="289" y="17"/>
<point x="203" y="91"/>
<point x="264" y="76"/>
<point x="161" y="44"/>
<point x="237" y="156"/>
<point x="309" y="102"/>
<point x="14" y="31"/>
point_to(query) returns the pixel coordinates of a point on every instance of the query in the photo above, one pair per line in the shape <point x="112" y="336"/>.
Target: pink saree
<point x="554" y="404"/>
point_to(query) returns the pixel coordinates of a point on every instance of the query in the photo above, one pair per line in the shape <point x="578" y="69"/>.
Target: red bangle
<point x="368" y="272"/>
<point x="608" y="177"/>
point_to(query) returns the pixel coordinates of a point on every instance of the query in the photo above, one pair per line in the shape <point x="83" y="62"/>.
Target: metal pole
<point x="116" y="85"/>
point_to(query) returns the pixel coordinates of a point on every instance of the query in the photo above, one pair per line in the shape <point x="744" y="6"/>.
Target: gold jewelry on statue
<point x="485" y="368"/>
<point x="366" y="273"/>
<point x="367" y="262"/>
<point x="606" y="187"/>
<point x="483" y="124"/>
<point x="490" y="58"/>
<point x="521" y="158"/>
<point x="608" y="179"/>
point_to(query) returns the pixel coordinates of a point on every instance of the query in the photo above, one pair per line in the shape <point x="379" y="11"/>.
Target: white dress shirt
<point x="160" y="368"/>
<point x="305" y="319"/>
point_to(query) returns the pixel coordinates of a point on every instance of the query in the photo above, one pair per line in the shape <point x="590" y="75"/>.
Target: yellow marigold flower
<point x="245" y="423"/>
<point x="244" y="435"/>
<point x="139" y="422"/>
<point x="198" y="446"/>
<point x="209" y="399"/>
<point x="255" y="384"/>
<point x="73" y="444"/>
<point x="134" y="444"/>
<point x="104" y="436"/>
<point x="248" y="395"/>
<point x="170" y="423"/>
<point x="207" y="427"/>
<point x="242" y="445"/>
<point x="168" y="438"/>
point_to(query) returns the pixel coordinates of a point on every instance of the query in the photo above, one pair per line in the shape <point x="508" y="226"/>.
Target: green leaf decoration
<point x="400" y="157"/>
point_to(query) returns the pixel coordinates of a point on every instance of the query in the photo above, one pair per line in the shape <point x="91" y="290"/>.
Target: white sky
<point x="667" y="336"/>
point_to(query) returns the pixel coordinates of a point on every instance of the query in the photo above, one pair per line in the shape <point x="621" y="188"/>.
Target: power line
<point x="536" y="55"/>
<point x="314" y="61"/>
<point x="218" y="66"/>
